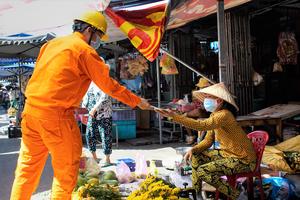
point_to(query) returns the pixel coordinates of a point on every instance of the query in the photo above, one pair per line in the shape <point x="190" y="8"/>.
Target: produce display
<point x="154" y="188"/>
<point x="104" y="187"/>
<point x="92" y="184"/>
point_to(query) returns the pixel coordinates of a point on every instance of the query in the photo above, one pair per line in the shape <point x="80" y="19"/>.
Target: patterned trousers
<point x="102" y="127"/>
<point x="209" y="166"/>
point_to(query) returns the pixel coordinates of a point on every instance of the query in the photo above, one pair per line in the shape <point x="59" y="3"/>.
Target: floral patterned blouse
<point x="97" y="99"/>
<point x="233" y="140"/>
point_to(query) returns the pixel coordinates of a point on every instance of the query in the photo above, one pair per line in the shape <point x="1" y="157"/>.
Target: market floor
<point x="164" y="154"/>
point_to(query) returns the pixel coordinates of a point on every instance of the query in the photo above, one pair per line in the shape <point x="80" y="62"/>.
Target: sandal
<point x="98" y="160"/>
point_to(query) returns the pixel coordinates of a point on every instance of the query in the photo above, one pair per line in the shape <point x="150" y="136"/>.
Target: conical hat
<point x="218" y="90"/>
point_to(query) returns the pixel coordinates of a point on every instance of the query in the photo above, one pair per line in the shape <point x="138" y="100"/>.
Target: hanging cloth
<point x="287" y="48"/>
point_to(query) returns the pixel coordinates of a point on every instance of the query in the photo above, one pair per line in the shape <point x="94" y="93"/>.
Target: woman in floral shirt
<point x="236" y="153"/>
<point x="99" y="106"/>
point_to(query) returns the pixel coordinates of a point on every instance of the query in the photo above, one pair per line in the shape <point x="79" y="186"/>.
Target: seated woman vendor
<point x="236" y="153"/>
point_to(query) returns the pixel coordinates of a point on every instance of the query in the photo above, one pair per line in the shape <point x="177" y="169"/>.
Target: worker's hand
<point x="165" y="112"/>
<point x="92" y="113"/>
<point x="144" y="104"/>
<point x="188" y="157"/>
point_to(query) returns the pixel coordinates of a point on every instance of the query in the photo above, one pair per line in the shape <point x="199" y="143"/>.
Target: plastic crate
<point x="119" y="115"/>
<point x="126" y="129"/>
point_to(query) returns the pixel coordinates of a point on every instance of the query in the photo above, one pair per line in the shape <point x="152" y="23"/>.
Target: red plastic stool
<point x="259" y="140"/>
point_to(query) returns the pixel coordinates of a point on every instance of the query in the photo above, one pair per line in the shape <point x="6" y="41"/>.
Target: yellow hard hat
<point x="97" y="20"/>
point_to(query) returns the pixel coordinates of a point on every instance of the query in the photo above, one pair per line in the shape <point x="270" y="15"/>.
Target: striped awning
<point x="20" y="47"/>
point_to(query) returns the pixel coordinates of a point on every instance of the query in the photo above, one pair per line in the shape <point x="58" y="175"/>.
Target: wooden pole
<point x="221" y="40"/>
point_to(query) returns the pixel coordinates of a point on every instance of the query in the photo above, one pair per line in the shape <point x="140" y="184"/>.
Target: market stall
<point x="273" y="115"/>
<point x="18" y="53"/>
<point x="17" y="74"/>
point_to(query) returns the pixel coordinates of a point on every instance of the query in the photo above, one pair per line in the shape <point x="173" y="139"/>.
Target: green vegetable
<point x="109" y="175"/>
<point x="110" y="182"/>
<point x="101" y="192"/>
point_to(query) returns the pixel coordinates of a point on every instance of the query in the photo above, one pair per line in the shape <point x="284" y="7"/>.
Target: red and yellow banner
<point x="143" y="27"/>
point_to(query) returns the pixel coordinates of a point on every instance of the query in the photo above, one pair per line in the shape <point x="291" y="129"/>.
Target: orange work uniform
<point x="63" y="72"/>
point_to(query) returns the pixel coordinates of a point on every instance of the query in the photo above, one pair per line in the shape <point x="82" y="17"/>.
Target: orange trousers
<point x="58" y="135"/>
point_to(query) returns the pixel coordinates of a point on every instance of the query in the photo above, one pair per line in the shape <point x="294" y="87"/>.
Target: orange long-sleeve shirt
<point x="63" y="72"/>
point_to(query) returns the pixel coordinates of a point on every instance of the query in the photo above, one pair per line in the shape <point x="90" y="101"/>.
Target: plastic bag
<point x="141" y="166"/>
<point x="12" y="112"/>
<point x="92" y="168"/>
<point x="293" y="159"/>
<point x="277" y="67"/>
<point x="82" y="162"/>
<point x="257" y="78"/>
<point x="281" y="188"/>
<point x="168" y="65"/>
<point x="123" y="173"/>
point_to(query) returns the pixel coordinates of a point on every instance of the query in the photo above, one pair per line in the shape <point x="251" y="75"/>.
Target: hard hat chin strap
<point x="93" y="32"/>
<point x="91" y="36"/>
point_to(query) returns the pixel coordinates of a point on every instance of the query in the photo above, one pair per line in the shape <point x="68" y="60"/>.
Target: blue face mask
<point x="210" y="105"/>
<point x="96" y="44"/>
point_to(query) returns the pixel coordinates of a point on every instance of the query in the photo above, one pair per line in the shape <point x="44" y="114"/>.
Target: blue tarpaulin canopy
<point x="18" y="53"/>
<point x="16" y="69"/>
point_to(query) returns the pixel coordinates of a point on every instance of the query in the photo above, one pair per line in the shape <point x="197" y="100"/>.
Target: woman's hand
<point x="188" y="156"/>
<point x="165" y="112"/>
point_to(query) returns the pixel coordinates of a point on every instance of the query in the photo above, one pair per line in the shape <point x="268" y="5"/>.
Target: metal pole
<point x="221" y="40"/>
<point x="186" y="65"/>
<point x="158" y="100"/>
<point x="18" y="120"/>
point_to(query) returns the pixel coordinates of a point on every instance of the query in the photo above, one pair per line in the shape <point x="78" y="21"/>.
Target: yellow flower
<point x="154" y="188"/>
<point x="176" y="191"/>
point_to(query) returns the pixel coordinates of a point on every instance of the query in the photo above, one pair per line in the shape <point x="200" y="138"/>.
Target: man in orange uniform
<point x="63" y="72"/>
